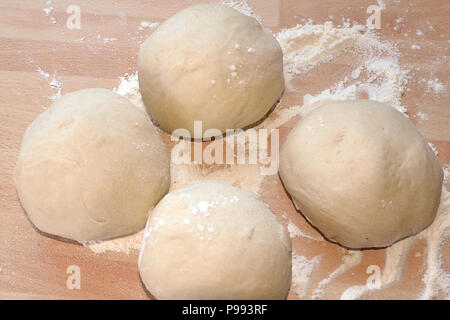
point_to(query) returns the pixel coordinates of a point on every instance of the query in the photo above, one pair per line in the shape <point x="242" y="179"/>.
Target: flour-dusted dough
<point x="91" y="166"/>
<point x="209" y="62"/>
<point x="210" y="240"/>
<point x="361" y="173"/>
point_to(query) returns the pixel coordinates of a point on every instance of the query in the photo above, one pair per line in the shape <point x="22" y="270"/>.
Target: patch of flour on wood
<point x="436" y="280"/>
<point x="54" y="83"/>
<point x="302" y="269"/>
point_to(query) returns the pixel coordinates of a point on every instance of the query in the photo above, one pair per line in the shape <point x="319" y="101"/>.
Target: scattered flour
<point x="148" y="24"/>
<point x="241" y="6"/>
<point x="129" y="88"/>
<point x="100" y="37"/>
<point x="306" y="46"/>
<point x="49" y="8"/>
<point x="53" y="82"/>
<point x="447" y="174"/>
<point x="302" y="269"/>
<point x="393" y="269"/>
<point x="386" y="83"/>
<point x="436" y="280"/>
<point x="435" y="150"/>
<point x="434" y="86"/>
<point x="106" y="40"/>
<point x="125" y="244"/>
<point x="381" y="4"/>
<point x="295" y="232"/>
<point x="350" y="259"/>
<point x="422" y="116"/>
<point x="244" y="176"/>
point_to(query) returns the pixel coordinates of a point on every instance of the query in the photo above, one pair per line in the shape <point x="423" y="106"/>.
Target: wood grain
<point x="33" y="266"/>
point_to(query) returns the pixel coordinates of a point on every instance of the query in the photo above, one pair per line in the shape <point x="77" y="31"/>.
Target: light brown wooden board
<point x="34" y="266"/>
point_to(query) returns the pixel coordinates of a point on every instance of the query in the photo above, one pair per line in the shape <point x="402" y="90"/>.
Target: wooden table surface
<point x="34" y="266"/>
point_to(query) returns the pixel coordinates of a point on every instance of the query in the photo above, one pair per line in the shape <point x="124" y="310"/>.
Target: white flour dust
<point x="48" y="10"/>
<point x="307" y="46"/>
<point x="129" y="88"/>
<point x="447" y="173"/>
<point x="243" y="7"/>
<point x="53" y="82"/>
<point x="436" y="280"/>
<point x="296" y="232"/>
<point x="350" y="259"/>
<point x="125" y="244"/>
<point x="434" y="86"/>
<point x="301" y="273"/>
<point x="377" y="75"/>
<point x="148" y="24"/>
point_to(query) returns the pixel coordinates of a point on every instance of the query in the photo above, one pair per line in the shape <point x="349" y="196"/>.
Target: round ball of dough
<point x="210" y="240"/>
<point x="361" y="173"/>
<point x="91" y="166"/>
<point x="211" y="63"/>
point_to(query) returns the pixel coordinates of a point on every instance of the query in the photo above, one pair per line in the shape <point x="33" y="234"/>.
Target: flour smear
<point x="377" y="75"/>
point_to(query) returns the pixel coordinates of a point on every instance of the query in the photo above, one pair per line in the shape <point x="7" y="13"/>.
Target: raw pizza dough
<point x="211" y="63"/>
<point x="210" y="240"/>
<point x="361" y="173"/>
<point x="91" y="166"/>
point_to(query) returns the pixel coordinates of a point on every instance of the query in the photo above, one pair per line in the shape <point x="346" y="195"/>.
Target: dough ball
<point x="91" y="166"/>
<point x="211" y="63"/>
<point x="210" y="240"/>
<point x="361" y="173"/>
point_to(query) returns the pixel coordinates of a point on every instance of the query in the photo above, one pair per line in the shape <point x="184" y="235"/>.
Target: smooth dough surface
<point x="210" y="240"/>
<point x="361" y="173"/>
<point x="91" y="166"/>
<point x="211" y="63"/>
